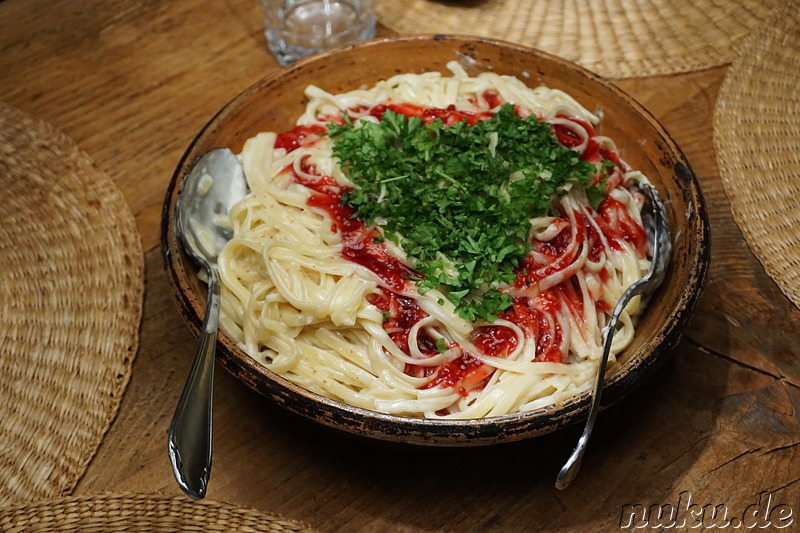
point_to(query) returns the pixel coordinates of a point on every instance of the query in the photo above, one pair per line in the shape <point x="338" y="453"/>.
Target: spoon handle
<point x="189" y="445"/>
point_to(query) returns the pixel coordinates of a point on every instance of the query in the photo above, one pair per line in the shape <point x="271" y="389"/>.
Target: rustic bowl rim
<point x="442" y="432"/>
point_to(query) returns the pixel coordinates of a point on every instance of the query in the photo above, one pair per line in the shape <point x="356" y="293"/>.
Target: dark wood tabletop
<point x="717" y="426"/>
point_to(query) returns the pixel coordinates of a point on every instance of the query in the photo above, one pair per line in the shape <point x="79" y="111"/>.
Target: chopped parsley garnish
<point x="596" y="194"/>
<point x="441" y="345"/>
<point x="458" y="199"/>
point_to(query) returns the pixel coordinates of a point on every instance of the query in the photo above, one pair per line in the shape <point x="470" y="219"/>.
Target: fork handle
<point x="570" y="469"/>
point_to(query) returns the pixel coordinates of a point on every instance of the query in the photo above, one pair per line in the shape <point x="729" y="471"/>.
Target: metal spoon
<point x="213" y="185"/>
<point x="654" y="220"/>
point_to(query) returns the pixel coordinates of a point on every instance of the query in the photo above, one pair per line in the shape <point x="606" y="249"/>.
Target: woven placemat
<point x="757" y="142"/>
<point x="71" y="289"/>
<point x="614" y="38"/>
<point x="140" y="513"/>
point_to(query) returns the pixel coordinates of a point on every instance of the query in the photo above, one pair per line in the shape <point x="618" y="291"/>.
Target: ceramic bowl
<point x="274" y="103"/>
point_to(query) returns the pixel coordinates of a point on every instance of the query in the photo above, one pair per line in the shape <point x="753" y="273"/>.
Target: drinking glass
<point x="299" y="28"/>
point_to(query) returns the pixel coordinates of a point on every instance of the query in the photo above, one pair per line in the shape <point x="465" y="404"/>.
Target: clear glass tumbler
<point x="299" y="28"/>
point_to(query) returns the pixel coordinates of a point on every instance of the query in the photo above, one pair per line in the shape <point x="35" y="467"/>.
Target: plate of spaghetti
<point x="436" y="232"/>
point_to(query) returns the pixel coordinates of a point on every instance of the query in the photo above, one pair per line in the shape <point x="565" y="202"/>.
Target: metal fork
<point x="654" y="220"/>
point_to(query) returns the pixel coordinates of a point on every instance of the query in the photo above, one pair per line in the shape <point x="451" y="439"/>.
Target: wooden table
<point x="132" y="82"/>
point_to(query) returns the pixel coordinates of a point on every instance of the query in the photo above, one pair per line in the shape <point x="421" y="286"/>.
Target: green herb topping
<point x="458" y="199"/>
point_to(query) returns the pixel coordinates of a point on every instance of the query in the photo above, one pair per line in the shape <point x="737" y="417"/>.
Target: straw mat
<point x="141" y="514"/>
<point x="71" y="289"/>
<point x="614" y="38"/>
<point x="757" y="141"/>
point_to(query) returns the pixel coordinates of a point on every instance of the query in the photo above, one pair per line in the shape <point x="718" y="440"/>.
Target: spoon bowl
<point x="213" y="185"/>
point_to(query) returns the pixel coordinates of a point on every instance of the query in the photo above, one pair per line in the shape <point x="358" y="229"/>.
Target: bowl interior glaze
<point x="275" y="102"/>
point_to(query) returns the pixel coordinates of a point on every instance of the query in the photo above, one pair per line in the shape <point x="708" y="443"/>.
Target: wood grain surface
<point x="132" y="83"/>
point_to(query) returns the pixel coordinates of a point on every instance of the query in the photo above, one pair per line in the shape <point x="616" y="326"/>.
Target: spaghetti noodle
<point x="335" y="305"/>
